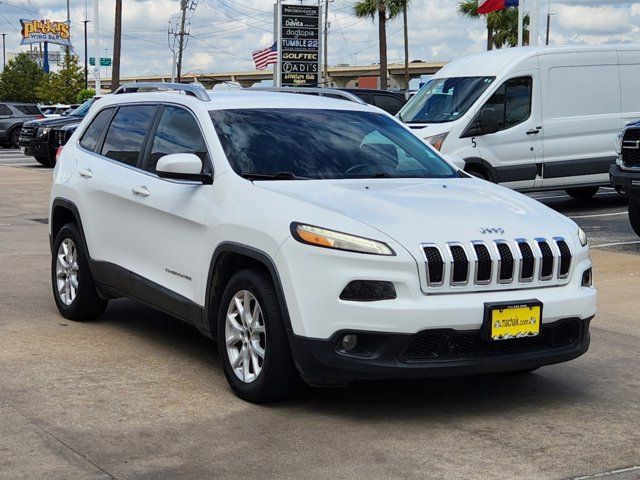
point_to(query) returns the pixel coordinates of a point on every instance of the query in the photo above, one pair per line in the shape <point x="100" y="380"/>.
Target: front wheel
<point x="582" y="193"/>
<point x="74" y="290"/>
<point x="252" y="340"/>
<point x="634" y="214"/>
<point x="14" y="138"/>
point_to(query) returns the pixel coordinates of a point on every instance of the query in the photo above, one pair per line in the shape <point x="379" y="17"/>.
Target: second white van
<point x="532" y="118"/>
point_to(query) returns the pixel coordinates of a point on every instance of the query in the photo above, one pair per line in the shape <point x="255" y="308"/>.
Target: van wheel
<point x="252" y="340"/>
<point x="634" y="215"/>
<point x="74" y="290"/>
<point x="479" y="173"/>
<point x="582" y="193"/>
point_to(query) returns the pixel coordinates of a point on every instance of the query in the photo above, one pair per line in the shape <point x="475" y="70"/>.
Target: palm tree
<point x="385" y="10"/>
<point x="502" y="26"/>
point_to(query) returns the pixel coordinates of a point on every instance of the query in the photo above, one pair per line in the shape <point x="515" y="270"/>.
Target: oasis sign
<point x="300" y="46"/>
<point x="36" y="31"/>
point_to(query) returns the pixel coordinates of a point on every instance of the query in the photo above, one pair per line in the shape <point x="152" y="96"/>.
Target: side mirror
<point x="488" y="121"/>
<point x="456" y="161"/>
<point x="182" y="166"/>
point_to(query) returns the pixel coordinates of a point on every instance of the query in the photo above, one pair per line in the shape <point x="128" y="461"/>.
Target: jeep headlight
<point x="436" y="141"/>
<point x="322" y="237"/>
<point x="43" y="131"/>
<point x="582" y="237"/>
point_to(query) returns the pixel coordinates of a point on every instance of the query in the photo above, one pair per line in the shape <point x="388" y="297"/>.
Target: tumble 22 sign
<point x="300" y="46"/>
<point x="36" y="31"/>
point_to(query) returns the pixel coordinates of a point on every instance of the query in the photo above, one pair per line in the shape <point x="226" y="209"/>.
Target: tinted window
<point x="82" y="110"/>
<point x="4" y="110"/>
<point x="388" y="103"/>
<point x="177" y="132"/>
<point x="127" y="132"/>
<point x="29" y="109"/>
<point x="93" y="132"/>
<point x="512" y="102"/>
<point x="309" y="143"/>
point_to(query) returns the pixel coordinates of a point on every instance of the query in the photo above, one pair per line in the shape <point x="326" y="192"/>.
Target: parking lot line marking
<point x="594" y="215"/>
<point x="567" y="196"/>
<point x="615" y="244"/>
<point x="606" y="474"/>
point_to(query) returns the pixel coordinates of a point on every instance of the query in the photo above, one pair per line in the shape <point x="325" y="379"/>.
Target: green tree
<point x="385" y="10"/>
<point x="19" y="80"/>
<point x="502" y="26"/>
<point x="64" y="86"/>
<point x="85" y="94"/>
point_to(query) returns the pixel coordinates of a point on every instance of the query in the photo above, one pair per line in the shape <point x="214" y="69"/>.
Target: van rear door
<point x="581" y="116"/>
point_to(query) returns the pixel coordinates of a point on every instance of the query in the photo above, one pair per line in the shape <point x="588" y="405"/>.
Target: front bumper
<point x="435" y="353"/>
<point x="629" y="181"/>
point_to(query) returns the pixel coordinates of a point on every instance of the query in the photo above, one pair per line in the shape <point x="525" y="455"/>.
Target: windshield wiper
<point x="271" y="176"/>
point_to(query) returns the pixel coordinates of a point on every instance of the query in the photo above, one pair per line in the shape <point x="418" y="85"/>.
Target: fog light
<point x="349" y="342"/>
<point x="587" y="278"/>
<point x="368" y="291"/>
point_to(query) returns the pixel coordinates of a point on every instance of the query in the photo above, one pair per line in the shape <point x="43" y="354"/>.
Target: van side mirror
<point x="488" y="121"/>
<point x="182" y="166"/>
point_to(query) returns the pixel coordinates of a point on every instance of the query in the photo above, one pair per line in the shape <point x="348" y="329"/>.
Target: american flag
<point x="263" y="58"/>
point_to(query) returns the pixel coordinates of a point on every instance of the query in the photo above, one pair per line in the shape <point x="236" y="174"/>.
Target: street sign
<point x="299" y="46"/>
<point x="104" y="62"/>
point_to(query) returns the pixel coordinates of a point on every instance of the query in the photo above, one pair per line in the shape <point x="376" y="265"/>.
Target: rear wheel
<point x="582" y="193"/>
<point x="74" y="290"/>
<point x="634" y="214"/>
<point x="252" y="340"/>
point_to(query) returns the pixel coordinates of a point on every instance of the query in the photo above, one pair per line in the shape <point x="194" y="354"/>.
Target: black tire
<point x="479" y="173"/>
<point x="14" y="138"/>
<point x="524" y="371"/>
<point x="44" y="161"/>
<point x="278" y="378"/>
<point x="582" y="193"/>
<point x="87" y="304"/>
<point x="634" y="214"/>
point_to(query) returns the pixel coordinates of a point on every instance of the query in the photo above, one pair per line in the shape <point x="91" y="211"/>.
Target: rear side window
<point x="177" y="132"/>
<point x="127" y="132"/>
<point x="4" y="110"/>
<point x="29" y="109"/>
<point x="512" y="102"/>
<point x="388" y="103"/>
<point x="92" y="134"/>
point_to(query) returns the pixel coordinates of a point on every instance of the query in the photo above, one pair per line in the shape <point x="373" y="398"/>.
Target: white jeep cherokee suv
<point x="314" y="238"/>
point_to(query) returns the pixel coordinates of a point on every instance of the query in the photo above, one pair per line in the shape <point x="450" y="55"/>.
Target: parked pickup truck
<point x="625" y="174"/>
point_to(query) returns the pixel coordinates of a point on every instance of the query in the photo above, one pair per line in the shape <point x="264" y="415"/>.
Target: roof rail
<point x="193" y="90"/>
<point x="323" y="92"/>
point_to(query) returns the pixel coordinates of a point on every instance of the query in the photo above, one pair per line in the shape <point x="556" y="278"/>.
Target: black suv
<point x="12" y="116"/>
<point x="390" y="102"/>
<point x="41" y="138"/>
<point x="625" y="174"/>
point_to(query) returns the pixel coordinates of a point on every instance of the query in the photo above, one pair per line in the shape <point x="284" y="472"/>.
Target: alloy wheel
<point x="245" y="336"/>
<point x="67" y="271"/>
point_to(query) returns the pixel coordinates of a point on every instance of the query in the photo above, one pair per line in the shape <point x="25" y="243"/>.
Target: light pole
<point x="86" y="72"/>
<point x="4" y="53"/>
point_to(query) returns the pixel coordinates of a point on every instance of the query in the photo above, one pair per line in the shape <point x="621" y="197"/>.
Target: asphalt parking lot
<point x="138" y="394"/>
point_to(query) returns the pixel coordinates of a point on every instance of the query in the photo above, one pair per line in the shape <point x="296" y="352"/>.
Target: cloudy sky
<point x="224" y="32"/>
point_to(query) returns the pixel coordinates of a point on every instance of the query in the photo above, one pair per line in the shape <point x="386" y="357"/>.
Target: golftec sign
<point x="36" y="31"/>
<point x="299" y="46"/>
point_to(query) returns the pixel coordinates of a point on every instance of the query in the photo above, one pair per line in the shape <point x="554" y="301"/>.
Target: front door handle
<point x="87" y="173"/>
<point x="141" y="191"/>
<point x="533" y="131"/>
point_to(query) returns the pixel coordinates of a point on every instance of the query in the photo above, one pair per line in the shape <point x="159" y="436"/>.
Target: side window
<point x="512" y="102"/>
<point x="4" y="110"/>
<point x="92" y="134"/>
<point x="388" y="103"/>
<point x="127" y="132"/>
<point x="177" y="132"/>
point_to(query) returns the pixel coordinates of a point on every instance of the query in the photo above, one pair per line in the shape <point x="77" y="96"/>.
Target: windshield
<point x="287" y="144"/>
<point x="444" y="99"/>
<point x="82" y="110"/>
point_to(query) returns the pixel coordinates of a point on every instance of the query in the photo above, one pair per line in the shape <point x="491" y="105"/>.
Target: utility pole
<point x="86" y="71"/>
<point x="67" y="49"/>
<point x="181" y="34"/>
<point x="406" y="44"/>
<point x="96" y="44"/>
<point x="325" y="39"/>
<point x="4" y="53"/>
<point x="117" y="39"/>
<point x="520" y="23"/>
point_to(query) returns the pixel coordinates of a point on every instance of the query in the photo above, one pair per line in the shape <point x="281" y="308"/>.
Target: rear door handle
<point x="87" y="173"/>
<point x="533" y="131"/>
<point x="141" y="191"/>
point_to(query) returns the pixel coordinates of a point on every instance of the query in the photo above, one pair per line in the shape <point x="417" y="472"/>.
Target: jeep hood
<point x="415" y="211"/>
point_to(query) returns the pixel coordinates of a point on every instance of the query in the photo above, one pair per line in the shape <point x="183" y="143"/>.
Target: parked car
<point x="41" y="139"/>
<point x="12" y="116"/>
<point x="390" y="102"/>
<point x="532" y="118"/>
<point x="313" y="238"/>
<point x="625" y="174"/>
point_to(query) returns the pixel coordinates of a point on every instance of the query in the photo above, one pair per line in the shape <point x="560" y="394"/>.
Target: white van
<point x="532" y="118"/>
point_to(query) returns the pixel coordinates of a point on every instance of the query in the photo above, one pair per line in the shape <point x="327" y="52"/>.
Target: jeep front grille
<point x="500" y="263"/>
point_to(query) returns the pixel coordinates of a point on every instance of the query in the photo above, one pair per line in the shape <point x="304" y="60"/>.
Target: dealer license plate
<point x="515" y="321"/>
